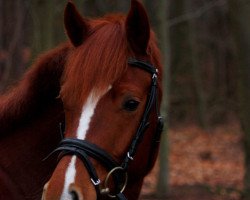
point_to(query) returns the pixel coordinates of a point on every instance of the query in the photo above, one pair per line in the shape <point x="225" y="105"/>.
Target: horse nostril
<point x="74" y="195"/>
<point x="45" y="188"/>
<point x="75" y="192"/>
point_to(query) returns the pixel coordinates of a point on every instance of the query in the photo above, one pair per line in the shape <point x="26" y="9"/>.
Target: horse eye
<point x="131" y="105"/>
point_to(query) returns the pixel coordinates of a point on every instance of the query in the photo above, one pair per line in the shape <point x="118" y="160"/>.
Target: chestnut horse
<point x="105" y="85"/>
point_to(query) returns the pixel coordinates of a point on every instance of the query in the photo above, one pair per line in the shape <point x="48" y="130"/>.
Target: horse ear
<point x="76" y="27"/>
<point x="137" y="28"/>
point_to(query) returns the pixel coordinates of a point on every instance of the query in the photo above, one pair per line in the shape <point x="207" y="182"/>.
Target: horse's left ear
<point x="137" y="28"/>
<point x="76" y="27"/>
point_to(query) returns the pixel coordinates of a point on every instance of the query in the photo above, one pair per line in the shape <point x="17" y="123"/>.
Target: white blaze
<point x="69" y="178"/>
<point x="87" y="113"/>
<point x="84" y="122"/>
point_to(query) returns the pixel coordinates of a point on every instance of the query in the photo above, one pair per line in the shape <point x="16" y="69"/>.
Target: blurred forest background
<point x="206" y="52"/>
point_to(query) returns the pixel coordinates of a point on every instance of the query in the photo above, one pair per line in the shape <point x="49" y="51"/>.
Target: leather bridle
<point x="84" y="149"/>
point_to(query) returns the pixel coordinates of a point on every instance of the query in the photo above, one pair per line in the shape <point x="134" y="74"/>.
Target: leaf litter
<point x="202" y="164"/>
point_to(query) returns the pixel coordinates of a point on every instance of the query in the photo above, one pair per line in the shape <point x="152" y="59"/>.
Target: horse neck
<point x="35" y="93"/>
<point x="29" y="118"/>
<point x="23" y="151"/>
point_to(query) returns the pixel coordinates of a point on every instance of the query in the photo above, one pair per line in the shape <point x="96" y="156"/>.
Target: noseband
<point x="84" y="150"/>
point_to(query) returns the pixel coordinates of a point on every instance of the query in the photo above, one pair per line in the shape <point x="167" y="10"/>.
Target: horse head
<point x="110" y="89"/>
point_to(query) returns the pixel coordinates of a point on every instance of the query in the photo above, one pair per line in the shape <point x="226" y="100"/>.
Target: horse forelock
<point x="97" y="63"/>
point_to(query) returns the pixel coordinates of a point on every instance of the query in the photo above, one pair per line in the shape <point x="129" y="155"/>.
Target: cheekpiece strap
<point x="152" y="99"/>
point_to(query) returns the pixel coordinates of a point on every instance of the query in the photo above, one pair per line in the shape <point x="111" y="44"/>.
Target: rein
<point x="117" y="172"/>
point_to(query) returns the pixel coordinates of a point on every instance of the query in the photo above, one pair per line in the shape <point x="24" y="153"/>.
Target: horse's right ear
<point x="137" y="28"/>
<point x="76" y="27"/>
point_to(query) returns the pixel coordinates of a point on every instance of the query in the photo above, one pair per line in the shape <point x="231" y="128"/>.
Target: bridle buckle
<point x="95" y="183"/>
<point x="129" y="156"/>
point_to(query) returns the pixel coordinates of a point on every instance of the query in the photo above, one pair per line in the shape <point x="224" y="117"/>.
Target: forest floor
<point x="204" y="165"/>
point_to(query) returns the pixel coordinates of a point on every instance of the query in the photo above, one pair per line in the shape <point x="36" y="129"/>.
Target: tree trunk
<point x="1" y="25"/>
<point x="180" y="64"/>
<point x="13" y="64"/>
<point x="43" y="29"/>
<point x="158" y="15"/>
<point x="240" y="16"/>
<point x="1" y="41"/>
<point x="196" y="69"/>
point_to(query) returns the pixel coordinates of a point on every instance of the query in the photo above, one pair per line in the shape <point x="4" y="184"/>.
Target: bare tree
<point x="240" y="16"/>
<point x="43" y="16"/>
<point x="13" y="65"/>
<point x="95" y="8"/>
<point x="196" y="68"/>
<point x="1" y="40"/>
<point x="158" y="14"/>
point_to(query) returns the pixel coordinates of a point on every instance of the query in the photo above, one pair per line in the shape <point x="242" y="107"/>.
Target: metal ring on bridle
<point x="109" y="176"/>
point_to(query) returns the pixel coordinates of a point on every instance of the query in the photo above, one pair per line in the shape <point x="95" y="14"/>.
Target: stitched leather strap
<point x="142" y="65"/>
<point x="71" y="150"/>
<point x="152" y="99"/>
<point x="91" y="150"/>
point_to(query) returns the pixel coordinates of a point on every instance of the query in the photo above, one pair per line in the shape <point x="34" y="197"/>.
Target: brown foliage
<point x="204" y="163"/>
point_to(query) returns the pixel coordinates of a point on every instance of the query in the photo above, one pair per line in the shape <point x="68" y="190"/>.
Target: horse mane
<point x="60" y="71"/>
<point x="38" y="89"/>
<point x="102" y="58"/>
